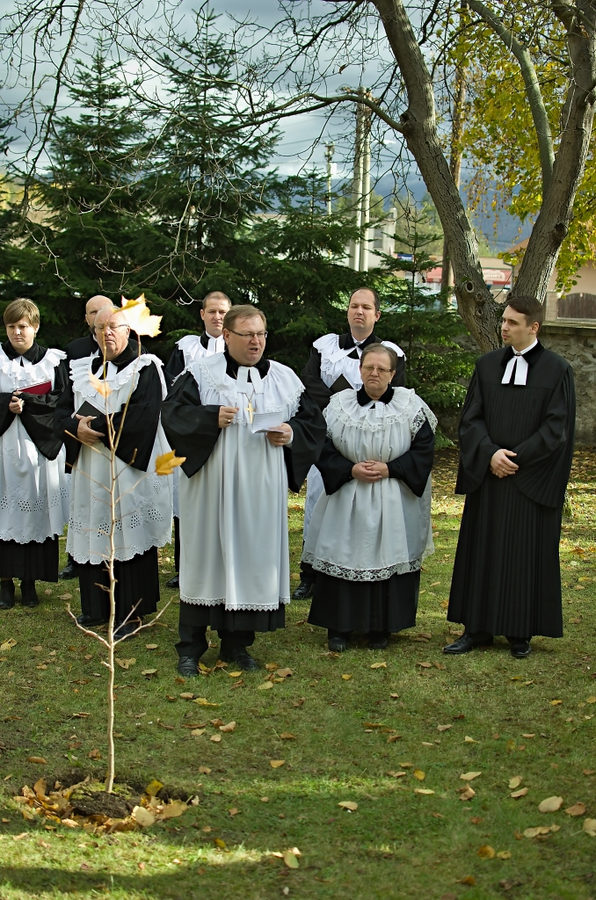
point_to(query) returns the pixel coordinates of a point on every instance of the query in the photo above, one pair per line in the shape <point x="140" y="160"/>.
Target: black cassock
<point x="506" y="577"/>
<point x="137" y="579"/>
<point x="34" y="560"/>
<point x="192" y="430"/>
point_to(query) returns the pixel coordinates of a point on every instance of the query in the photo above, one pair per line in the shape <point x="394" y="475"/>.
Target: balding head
<point x="111" y="331"/>
<point x="93" y="306"/>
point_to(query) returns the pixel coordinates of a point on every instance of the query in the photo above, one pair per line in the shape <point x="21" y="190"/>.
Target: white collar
<point x="518" y="365"/>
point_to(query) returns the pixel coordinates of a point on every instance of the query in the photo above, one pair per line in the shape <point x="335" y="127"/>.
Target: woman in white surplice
<point x="371" y="529"/>
<point x="33" y="483"/>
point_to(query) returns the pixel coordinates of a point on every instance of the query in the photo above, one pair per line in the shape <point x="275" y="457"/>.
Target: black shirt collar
<point x="232" y="366"/>
<point x="126" y="357"/>
<point x="350" y="342"/>
<point x="363" y="397"/>
<point x="34" y="354"/>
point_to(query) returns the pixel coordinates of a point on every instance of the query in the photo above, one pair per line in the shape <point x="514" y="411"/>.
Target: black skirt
<point x="137" y="587"/>
<point x="506" y="576"/>
<point x="30" y="562"/>
<point x="218" y="618"/>
<point x="365" y="606"/>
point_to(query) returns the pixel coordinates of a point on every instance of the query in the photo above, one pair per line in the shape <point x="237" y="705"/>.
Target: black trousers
<point x="193" y="641"/>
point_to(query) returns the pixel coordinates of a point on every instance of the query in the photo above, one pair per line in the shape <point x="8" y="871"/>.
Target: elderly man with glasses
<point x="248" y="431"/>
<point x="143" y="500"/>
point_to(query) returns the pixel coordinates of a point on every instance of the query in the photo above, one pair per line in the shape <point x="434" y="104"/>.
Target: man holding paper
<point x="248" y="431"/>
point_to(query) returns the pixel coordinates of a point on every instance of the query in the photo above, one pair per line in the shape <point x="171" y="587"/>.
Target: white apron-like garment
<point x="369" y="532"/>
<point x="233" y="512"/>
<point x="143" y="515"/>
<point x="33" y="490"/>
<point x="335" y="362"/>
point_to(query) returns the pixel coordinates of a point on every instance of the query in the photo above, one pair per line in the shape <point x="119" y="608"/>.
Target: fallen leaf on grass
<point x="202" y="701"/>
<point x="515" y="782"/>
<point x="470" y="776"/>
<point x="444" y="727"/>
<point x="555" y="702"/>
<point x="419" y="774"/>
<point x="149" y="673"/>
<point x="578" y="809"/>
<point x="486" y="852"/>
<point x="424" y="665"/>
<point x="65" y="597"/>
<point x="37" y="759"/>
<point x="186" y="695"/>
<point x="469" y="880"/>
<point x="470" y="740"/>
<point x="423" y="791"/>
<point x="467" y="793"/>
<point x="540" y="829"/>
<point x="591" y="700"/>
<point x="265" y="686"/>
<point x="287" y="736"/>
<point x="234" y="674"/>
<point x="233" y="811"/>
<point x="346" y="677"/>
<point x="551" y="804"/>
<point x="290" y="858"/>
<point x="152" y="646"/>
<point x="397" y="774"/>
<point x="276" y="763"/>
<point x="94" y="754"/>
<point x="126" y="663"/>
<point x="144" y="818"/>
<point x="589" y="827"/>
<point x="173" y="809"/>
<point x="379" y="665"/>
<point x="204" y="770"/>
<point x="521" y="793"/>
<point x="153" y="788"/>
<point x="228" y="728"/>
<point x="219" y="843"/>
<point x="197" y="732"/>
<point x="216" y="738"/>
<point x="284" y="673"/>
<point x="348" y="804"/>
<point x="504" y="854"/>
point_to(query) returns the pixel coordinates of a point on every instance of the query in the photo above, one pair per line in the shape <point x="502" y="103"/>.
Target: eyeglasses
<point x="379" y="369"/>
<point x="247" y="335"/>
<point x="112" y="329"/>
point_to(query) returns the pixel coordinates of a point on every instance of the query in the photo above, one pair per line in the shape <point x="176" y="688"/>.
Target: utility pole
<point x="361" y="186"/>
<point x="329" y="151"/>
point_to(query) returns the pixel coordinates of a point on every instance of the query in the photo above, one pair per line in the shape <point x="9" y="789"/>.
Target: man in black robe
<point x="232" y="415"/>
<point x="87" y="345"/>
<point x="333" y="365"/>
<point x="516" y="445"/>
<point x="139" y="531"/>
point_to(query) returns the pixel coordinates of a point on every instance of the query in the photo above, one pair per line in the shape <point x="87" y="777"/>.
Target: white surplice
<point x="144" y="500"/>
<point x="369" y="532"/>
<point x="233" y="511"/>
<point x="33" y="490"/>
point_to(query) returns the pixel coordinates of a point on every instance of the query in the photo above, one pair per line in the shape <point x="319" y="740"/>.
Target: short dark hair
<point x="529" y="307"/>
<point x="380" y="348"/>
<point x="376" y="297"/>
<point x="218" y="294"/>
<point x="242" y="311"/>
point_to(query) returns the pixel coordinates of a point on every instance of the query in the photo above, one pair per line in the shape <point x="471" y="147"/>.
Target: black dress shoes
<point x="240" y="657"/>
<point x="29" y="594"/>
<point x="68" y="572"/>
<point x="468" y="641"/>
<point x="188" y="666"/>
<point x="337" y="641"/>
<point x="304" y="590"/>
<point x="88" y="621"/>
<point x="377" y="640"/>
<point x="6" y="593"/>
<point x="520" y="647"/>
<point x="174" y="583"/>
<point x="125" y="630"/>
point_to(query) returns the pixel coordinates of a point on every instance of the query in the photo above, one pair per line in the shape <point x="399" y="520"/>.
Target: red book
<point x="44" y="387"/>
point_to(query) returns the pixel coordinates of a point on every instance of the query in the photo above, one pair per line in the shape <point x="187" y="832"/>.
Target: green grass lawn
<point x="346" y="728"/>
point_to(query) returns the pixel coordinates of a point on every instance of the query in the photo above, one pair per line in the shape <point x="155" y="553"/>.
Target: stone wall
<point x="577" y="343"/>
